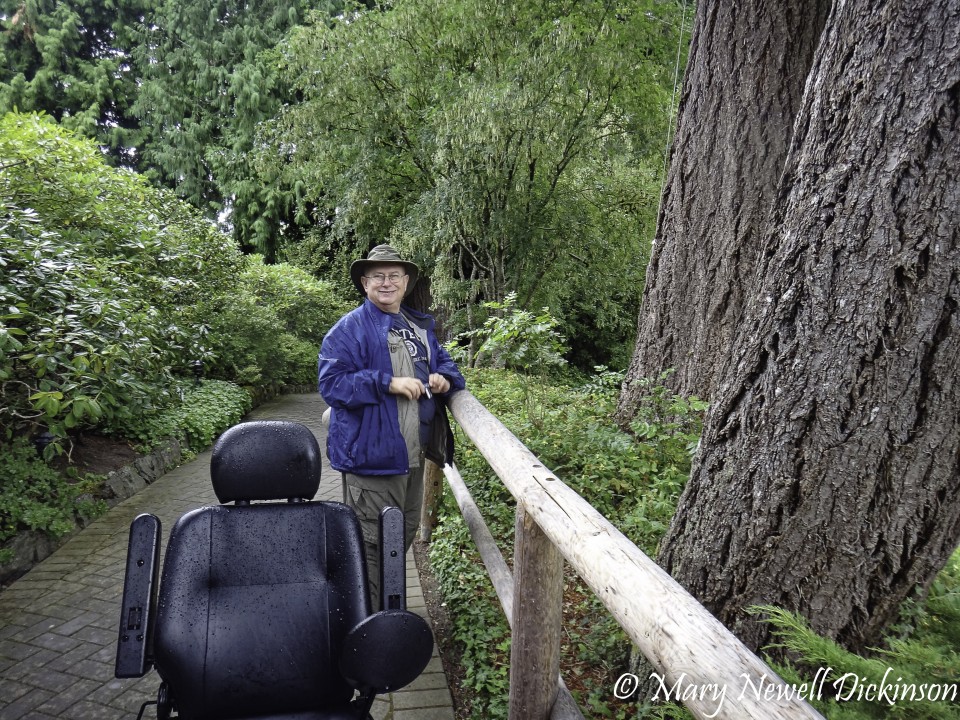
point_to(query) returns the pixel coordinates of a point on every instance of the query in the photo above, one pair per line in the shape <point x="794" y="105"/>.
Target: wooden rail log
<point x="695" y="657"/>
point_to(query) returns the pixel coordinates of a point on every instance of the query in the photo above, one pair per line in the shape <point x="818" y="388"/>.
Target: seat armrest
<point x="138" y="608"/>
<point x="393" y="561"/>
<point x="386" y="651"/>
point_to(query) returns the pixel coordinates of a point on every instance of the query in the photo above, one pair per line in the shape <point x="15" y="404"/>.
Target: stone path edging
<point x="33" y="546"/>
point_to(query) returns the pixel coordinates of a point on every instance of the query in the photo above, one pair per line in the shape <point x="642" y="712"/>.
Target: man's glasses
<point x="380" y="278"/>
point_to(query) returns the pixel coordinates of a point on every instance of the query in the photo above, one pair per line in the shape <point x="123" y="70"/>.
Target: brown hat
<point x="383" y="255"/>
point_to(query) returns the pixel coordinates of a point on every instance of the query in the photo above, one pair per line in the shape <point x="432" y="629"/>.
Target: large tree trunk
<point x="827" y="480"/>
<point x="744" y="81"/>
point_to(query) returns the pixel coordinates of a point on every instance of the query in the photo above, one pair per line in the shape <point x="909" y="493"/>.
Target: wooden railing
<point x="695" y="658"/>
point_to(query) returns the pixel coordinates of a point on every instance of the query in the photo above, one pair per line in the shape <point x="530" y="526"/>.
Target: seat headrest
<point x="266" y="460"/>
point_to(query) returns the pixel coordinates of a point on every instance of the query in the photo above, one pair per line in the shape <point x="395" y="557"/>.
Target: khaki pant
<point x="368" y="495"/>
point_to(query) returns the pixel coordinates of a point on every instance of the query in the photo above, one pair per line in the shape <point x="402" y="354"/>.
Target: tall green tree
<point x="509" y="146"/>
<point x="71" y="60"/>
<point x="205" y="89"/>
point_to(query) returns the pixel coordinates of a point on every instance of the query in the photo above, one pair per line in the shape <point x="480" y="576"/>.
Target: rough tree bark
<point x="827" y="480"/>
<point x="743" y="85"/>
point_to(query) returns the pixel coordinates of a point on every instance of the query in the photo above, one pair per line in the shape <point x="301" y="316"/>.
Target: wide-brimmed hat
<point x="383" y="255"/>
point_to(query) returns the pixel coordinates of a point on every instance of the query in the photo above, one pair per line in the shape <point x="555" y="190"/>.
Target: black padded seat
<point x="263" y="611"/>
<point x="259" y="596"/>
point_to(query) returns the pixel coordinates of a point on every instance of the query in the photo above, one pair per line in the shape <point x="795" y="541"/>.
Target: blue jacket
<point x="354" y="373"/>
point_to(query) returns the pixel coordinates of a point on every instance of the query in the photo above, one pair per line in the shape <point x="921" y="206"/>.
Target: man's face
<point x="385" y="286"/>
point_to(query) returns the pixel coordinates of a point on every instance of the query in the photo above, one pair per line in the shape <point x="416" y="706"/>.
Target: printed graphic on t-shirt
<point x="417" y="350"/>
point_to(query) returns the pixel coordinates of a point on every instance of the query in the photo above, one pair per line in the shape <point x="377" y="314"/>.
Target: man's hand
<point x="409" y="387"/>
<point x="413" y="389"/>
<point x="438" y="383"/>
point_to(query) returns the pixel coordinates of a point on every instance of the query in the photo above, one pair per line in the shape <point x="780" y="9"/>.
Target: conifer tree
<point x="71" y="60"/>
<point x="207" y="83"/>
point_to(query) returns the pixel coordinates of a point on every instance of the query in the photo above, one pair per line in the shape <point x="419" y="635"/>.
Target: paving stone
<point x="12" y="689"/>
<point x="87" y="711"/>
<point x="25" y="705"/>
<point x="126" y="694"/>
<point x="47" y="679"/>
<point x="97" y="635"/>
<point x="68" y="697"/>
<point x="75" y="624"/>
<point x="434" y="713"/>
<point x="407" y="699"/>
<point x="16" y="651"/>
<point x="31" y="665"/>
<point x="429" y="681"/>
<point x="24" y="619"/>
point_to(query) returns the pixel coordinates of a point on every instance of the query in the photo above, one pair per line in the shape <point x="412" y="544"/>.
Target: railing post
<point x="537" y="617"/>
<point x="432" y="493"/>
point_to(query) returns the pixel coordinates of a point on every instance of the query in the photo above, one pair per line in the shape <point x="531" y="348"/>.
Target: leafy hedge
<point x="112" y="289"/>
<point x="110" y="292"/>
<point x="205" y="411"/>
<point x="269" y="328"/>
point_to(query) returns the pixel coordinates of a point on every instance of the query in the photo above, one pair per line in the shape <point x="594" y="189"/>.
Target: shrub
<point x="36" y="497"/>
<point x="105" y="279"/>
<point x="480" y="627"/>
<point x="514" y="339"/>
<point x="204" y="412"/>
<point x="928" y="659"/>
<point x="76" y="348"/>
<point x="269" y="329"/>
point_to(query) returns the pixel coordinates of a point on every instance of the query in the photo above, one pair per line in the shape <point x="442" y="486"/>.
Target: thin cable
<point x="673" y="104"/>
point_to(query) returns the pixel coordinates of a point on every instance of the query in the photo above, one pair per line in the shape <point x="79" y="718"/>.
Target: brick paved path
<point x="58" y="622"/>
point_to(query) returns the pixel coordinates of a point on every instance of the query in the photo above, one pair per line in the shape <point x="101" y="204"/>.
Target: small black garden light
<point x="197" y="366"/>
<point x="41" y="441"/>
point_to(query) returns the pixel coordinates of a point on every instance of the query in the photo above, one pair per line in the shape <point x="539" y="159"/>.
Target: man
<point x="378" y="369"/>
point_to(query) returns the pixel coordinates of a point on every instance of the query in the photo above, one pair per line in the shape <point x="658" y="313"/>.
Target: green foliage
<point x="74" y="347"/>
<point x="105" y="281"/>
<point x="268" y="330"/>
<point x="71" y="60"/>
<point x="514" y="339"/>
<point x="479" y="623"/>
<point x="172" y="88"/>
<point x="204" y="412"/>
<point x="204" y="89"/>
<point x="914" y="677"/>
<point x="35" y="496"/>
<point x="507" y="147"/>
<point x="634" y="481"/>
<point x="111" y="289"/>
